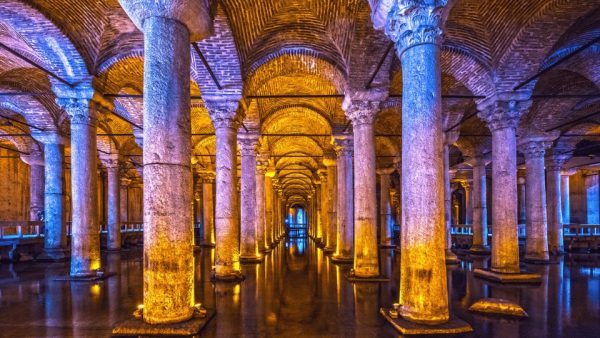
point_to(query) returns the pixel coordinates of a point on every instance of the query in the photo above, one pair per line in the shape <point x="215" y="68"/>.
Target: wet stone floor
<point x="295" y="292"/>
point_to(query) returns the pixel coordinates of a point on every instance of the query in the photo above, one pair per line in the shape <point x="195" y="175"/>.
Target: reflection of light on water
<point x="301" y="246"/>
<point x="95" y="290"/>
<point x="236" y="294"/>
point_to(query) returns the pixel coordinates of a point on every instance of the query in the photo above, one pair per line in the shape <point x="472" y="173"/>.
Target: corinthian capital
<point x="416" y="22"/>
<point x="361" y="107"/>
<point x="223" y="112"/>
<point x="504" y="110"/>
<point x="248" y="144"/>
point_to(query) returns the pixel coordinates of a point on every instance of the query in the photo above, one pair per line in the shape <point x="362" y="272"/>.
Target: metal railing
<point x="14" y="230"/>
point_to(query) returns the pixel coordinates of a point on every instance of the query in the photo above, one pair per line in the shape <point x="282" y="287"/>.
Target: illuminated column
<point x="502" y="113"/>
<point x="565" y="197"/>
<point x="85" y="228"/>
<point x="522" y="196"/>
<point x="276" y="211"/>
<point x="449" y="138"/>
<point x="330" y="162"/>
<point x="480" y="229"/>
<point x="35" y="160"/>
<point x="592" y="196"/>
<point x="111" y="162"/>
<point x="261" y="170"/>
<point x="345" y="200"/>
<point x="55" y="236"/>
<point x="248" y="145"/>
<point x="324" y="206"/>
<point x="208" y="208"/>
<point x="555" y="217"/>
<point x="416" y="29"/>
<point x="468" y="201"/>
<point x="271" y="172"/>
<point x="124" y="199"/>
<point x="385" y="207"/>
<point x="227" y="254"/>
<point x="536" y="241"/>
<point x="361" y="108"/>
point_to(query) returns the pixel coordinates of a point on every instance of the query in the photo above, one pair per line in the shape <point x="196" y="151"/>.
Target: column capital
<point x="329" y="159"/>
<point x="110" y="161"/>
<point x="415" y="22"/>
<point x="569" y="172"/>
<point x="223" y="112"/>
<point x="504" y="110"/>
<point x="207" y="176"/>
<point x="248" y="144"/>
<point x="125" y="182"/>
<point x="534" y="148"/>
<point x="361" y="107"/>
<point x="556" y="162"/>
<point x="193" y="14"/>
<point x="385" y="171"/>
<point x="344" y="145"/>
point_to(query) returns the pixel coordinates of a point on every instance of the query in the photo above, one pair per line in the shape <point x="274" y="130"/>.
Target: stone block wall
<point x="14" y="187"/>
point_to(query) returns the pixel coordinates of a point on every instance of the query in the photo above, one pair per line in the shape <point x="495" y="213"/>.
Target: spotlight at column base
<point x="53" y="255"/>
<point x="339" y="259"/>
<point x="251" y="259"/>
<point x="479" y="250"/>
<point x="405" y="327"/>
<point x="508" y="278"/>
<point x="137" y="327"/>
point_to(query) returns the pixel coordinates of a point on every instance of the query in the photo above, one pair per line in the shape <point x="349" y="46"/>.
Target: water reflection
<point x="296" y="291"/>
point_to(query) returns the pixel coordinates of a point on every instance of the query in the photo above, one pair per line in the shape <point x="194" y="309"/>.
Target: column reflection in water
<point x="366" y="309"/>
<point x="113" y="285"/>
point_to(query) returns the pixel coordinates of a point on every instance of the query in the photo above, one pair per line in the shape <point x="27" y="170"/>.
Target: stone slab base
<point x="341" y="260"/>
<point x="452" y="260"/>
<point x="251" y="259"/>
<point x="498" y="306"/>
<point x="482" y="251"/>
<point x="53" y="256"/>
<point x="516" y="278"/>
<point x="228" y="279"/>
<point x="137" y="327"/>
<point x="355" y="279"/>
<point x="94" y="278"/>
<point x="405" y="327"/>
<point x="328" y="250"/>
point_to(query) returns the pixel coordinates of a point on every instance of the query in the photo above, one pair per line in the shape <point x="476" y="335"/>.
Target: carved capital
<point x="80" y="111"/>
<point x="344" y="145"/>
<point x="556" y="162"/>
<point x="504" y="110"/>
<point x="362" y="112"/>
<point x="248" y="144"/>
<point x="223" y="113"/>
<point x="535" y="149"/>
<point x="414" y="22"/>
<point x="207" y="176"/>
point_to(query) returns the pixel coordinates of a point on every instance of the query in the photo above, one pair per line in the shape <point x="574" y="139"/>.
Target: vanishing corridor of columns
<point x="380" y="148"/>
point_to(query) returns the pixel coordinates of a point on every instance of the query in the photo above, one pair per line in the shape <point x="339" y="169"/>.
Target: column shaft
<point x="332" y="228"/>
<point x="555" y="232"/>
<point x="260" y="208"/>
<point x="55" y="236"/>
<point x="269" y="210"/>
<point x="592" y="196"/>
<point x="114" y="209"/>
<point x="565" y="199"/>
<point x="480" y="230"/>
<point x="249" y="244"/>
<point x="208" y="211"/>
<point x="36" y="191"/>
<point x="536" y="244"/>
<point x="385" y="208"/>
<point x="345" y="212"/>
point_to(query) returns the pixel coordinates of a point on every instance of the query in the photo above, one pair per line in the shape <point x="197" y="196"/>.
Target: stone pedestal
<point x="55" y="236"/>
<point x="248" y="145"/>
<point x="502" y="113"/>
<point x="227" y="254"/>
<point x="345" y="200"/>
<point x="361" y="108"/>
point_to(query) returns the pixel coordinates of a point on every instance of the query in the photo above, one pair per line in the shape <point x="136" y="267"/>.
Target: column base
<point x="508" y="278"/>
<point x="405" y="327"/>
<point x="479" y="250"/>
<point x="498" y="306"/>
<point x="353" y="278"/>
<point x="53" y="255"/>
<point x="530" y="259"/>
<point x="328" y="251"/>
<point x="251" y="259"/>
<point x="341" y="259"/>
<point x="266" y="250"/>
<point x="451" y="258"/>
<point x="234" y="277"/>
<point x="92" y="277"/>
<point x="137" y="327"/>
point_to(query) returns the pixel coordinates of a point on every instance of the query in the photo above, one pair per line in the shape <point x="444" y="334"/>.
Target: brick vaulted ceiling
<point x="291" y="47"/>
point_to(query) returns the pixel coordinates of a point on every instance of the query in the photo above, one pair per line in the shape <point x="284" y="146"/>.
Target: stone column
<point x="386" y="234"/>
<point x="85" y="228"/>
<point x="522" y="196"/>
<point x="55" y="236"/>
<point x="124" y="199"/>
<point x="168" y="221"/>
<point x="555" y="218"/>
<point x="260" y="214"/>
<point x="416" y="29"/>
<point x="449" y="138"/>
<point x="592" y="196"/>
<point x="330" y="162"/>
<point x="208" y="209"/>
<point x="480" y="224"/>
<point x="276" y="211"/>
<point x="324" y="207"/>
<point x="536" y="242"/>
<point x="249" y="250"/>
<point x="227" y="254"/>
<point x="502" y="113"/>
<point x="35" y="160"/>
<point x="565" y="198"/>
<point x="269" y="240"/>
<point x="345" y="200"/>
<point x="361" y="108"/>
<point x="468" y="201"/>
<point x="111" y="162"/>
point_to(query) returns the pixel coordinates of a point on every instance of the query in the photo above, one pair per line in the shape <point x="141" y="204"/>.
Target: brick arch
<point x="22" y="143"/>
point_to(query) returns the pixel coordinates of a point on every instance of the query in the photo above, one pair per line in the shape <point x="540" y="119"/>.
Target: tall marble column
<point x="331" y="163"/>
<point x="522" y="196"/>
<point x="468" y="201"/>
<point x="324" y="207"/>
<point x="55" y="236"/>
<point x="269" y="240"/>
<point x="85" y="227"/>
<point x="345" y="199"/>
<point x="555" y="218"/>
<point x="416" y="29"/>
<point x="449" y="138"/>
<point x="592" y="194"/>
<point x="386" y="234"/>
<point x="536" y="241"/>
<point x="361" y="108"/>
<point x="111" y="162"/>
<point x="480" y="224"/>
<point x="124" y="199"/>
<point x="35" y="160"/>
<point x="565" y="192"/>
<point x="502" y="113"/>
<point x="276" y="211"/>
<point x="208" y="209"/>
<point x="260" y="213"/>
<point x="249" y="250"/>
<point x="227" y="254"/>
